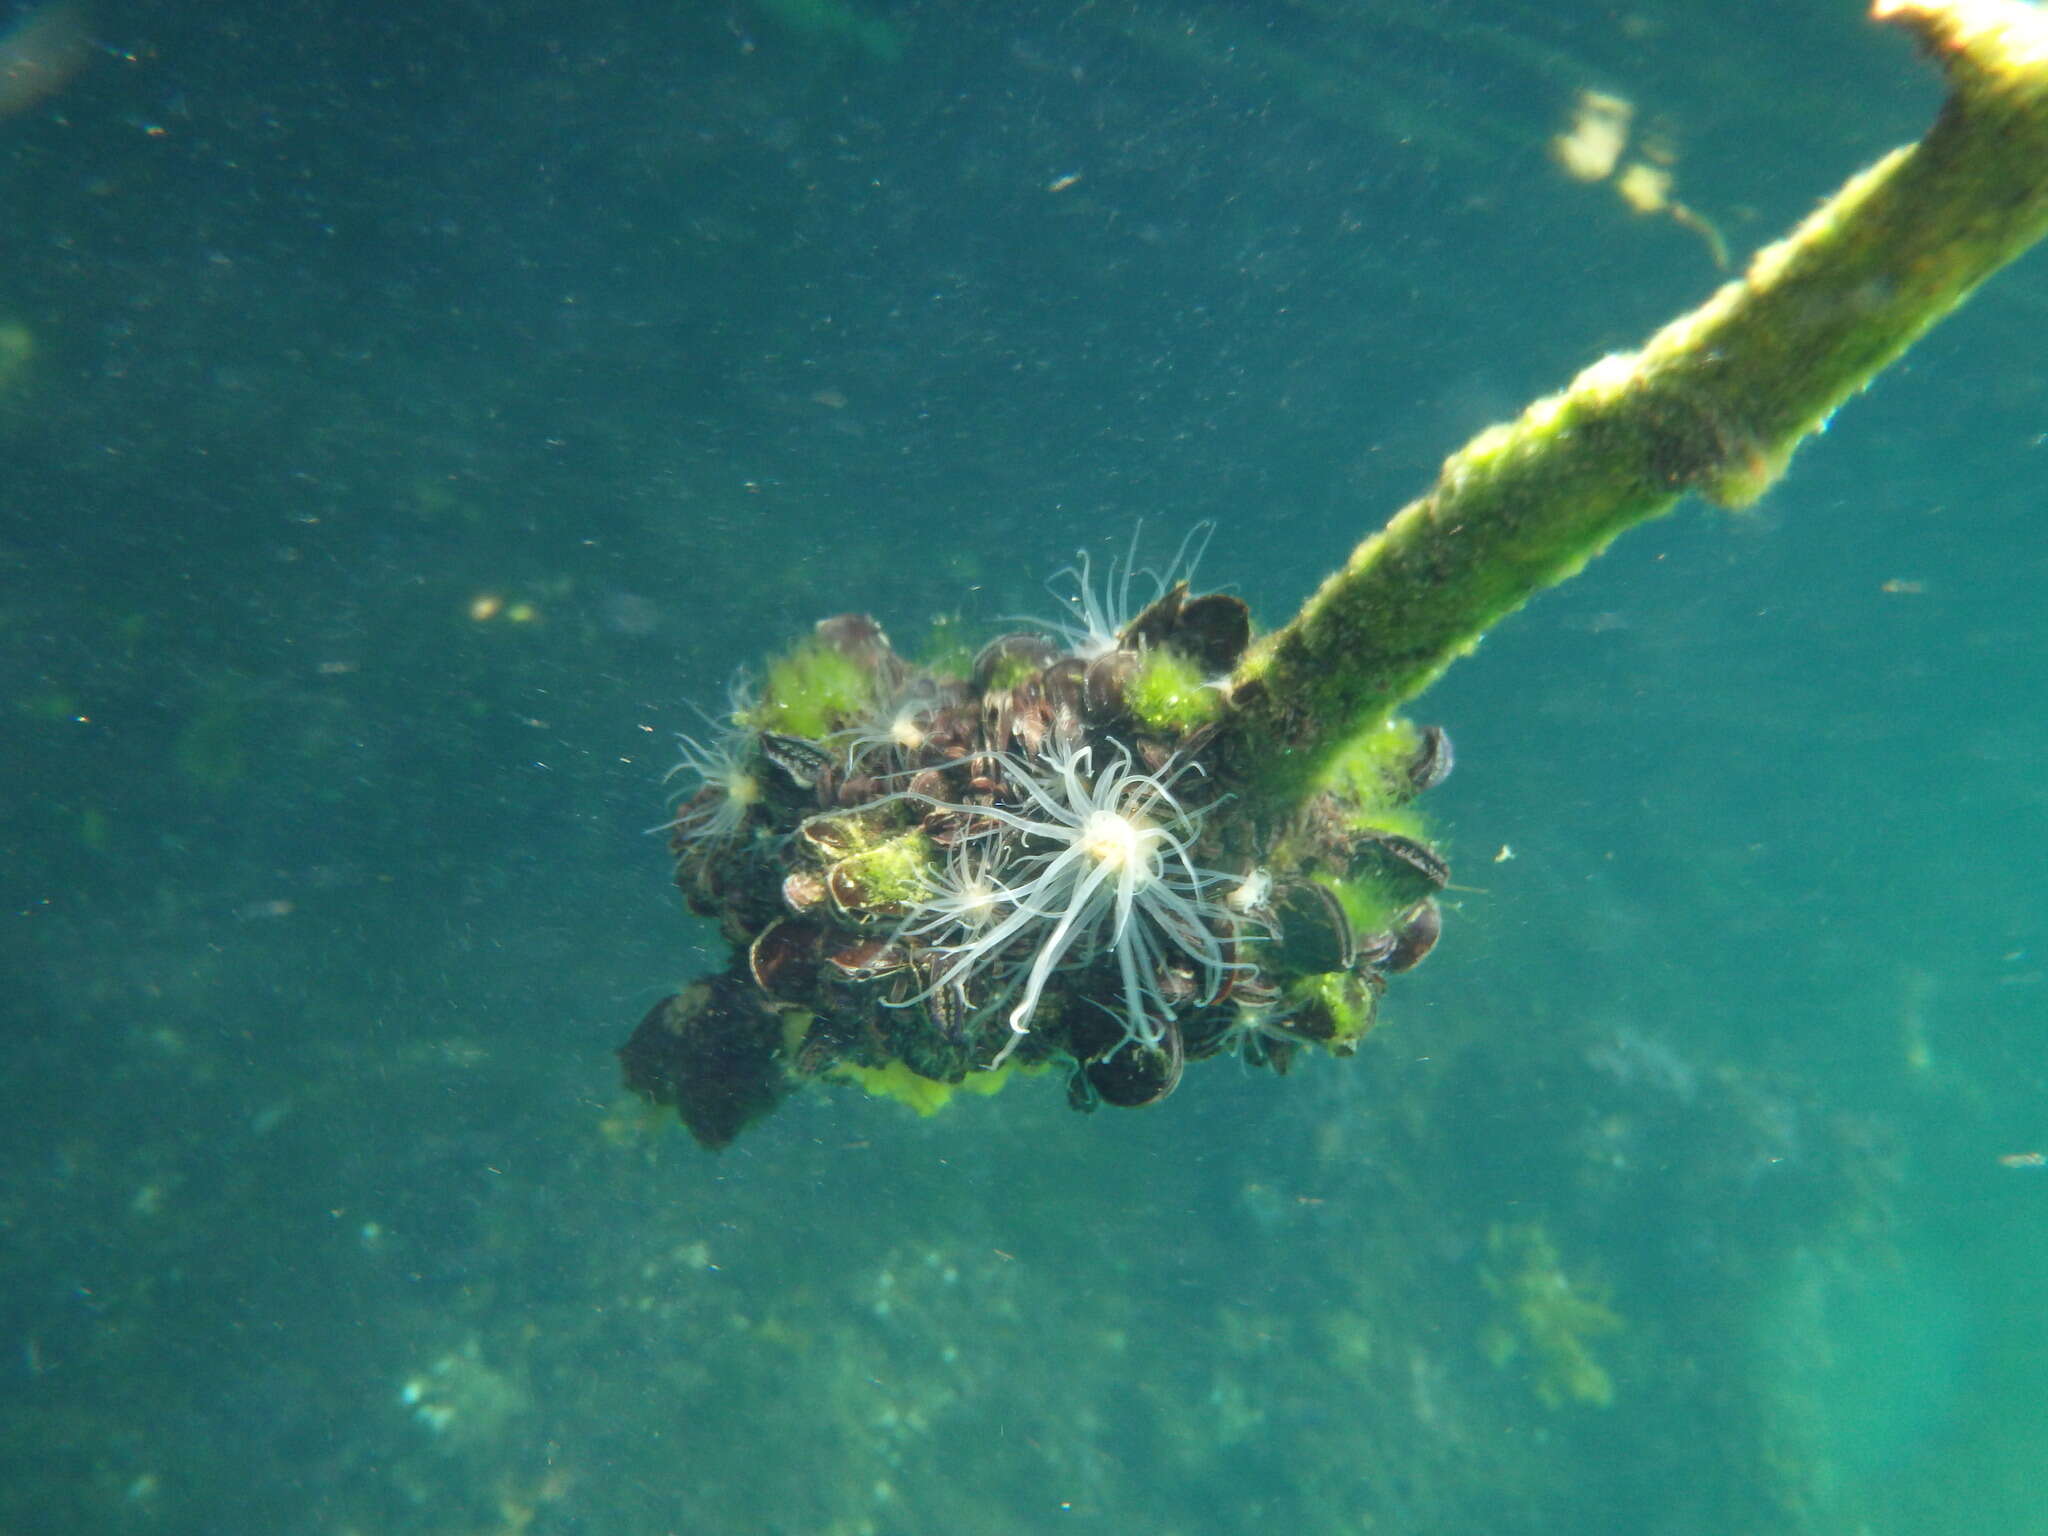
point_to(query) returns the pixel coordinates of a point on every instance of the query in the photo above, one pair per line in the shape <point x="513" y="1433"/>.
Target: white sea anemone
<point x="897" y="729"/>
<point x="965" y="901"/>
<point x="720" y="787"/>
<point x="1254" y="1030"/>
<point x="721" y="780"/>
<point x="1098" y="620"/>
<point x="1092" y="862"/>
<point x="967" y="896"/>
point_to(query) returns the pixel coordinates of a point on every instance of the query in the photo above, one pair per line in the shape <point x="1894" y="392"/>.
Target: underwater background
<point x="411" y="417"/>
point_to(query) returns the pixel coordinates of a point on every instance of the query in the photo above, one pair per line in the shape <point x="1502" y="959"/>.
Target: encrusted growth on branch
<point x="930" y="881"/>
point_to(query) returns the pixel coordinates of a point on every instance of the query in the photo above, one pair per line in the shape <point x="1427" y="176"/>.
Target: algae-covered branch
<point x="1138" y="838"/>
<point x="1715" y="402"/>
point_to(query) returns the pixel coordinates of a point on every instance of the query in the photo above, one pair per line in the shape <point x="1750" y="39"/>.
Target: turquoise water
<point x="412" y="415"/>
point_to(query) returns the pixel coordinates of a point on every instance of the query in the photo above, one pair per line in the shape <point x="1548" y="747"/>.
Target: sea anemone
<point x="1099" y="619"/>
<point x="1088" y="862"/>
<point x="721" y="787"/>
<point x="894" y="735"/>
<point x="966" y="896"/>
<point x="965" y="901"/>
<point x="721" y="779"/>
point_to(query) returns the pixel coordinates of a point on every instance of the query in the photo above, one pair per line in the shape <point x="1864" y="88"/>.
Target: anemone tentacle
<point x="1098" y="620"/>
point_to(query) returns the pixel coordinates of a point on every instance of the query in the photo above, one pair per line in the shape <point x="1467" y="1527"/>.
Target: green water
<point x="411" y="415"/>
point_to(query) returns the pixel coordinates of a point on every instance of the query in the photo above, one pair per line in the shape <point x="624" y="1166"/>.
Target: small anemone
<point x="1097" y="620"/>
<point x="721" y="782"/>
<point x="1256" y="1030"/>
<point x="966" y="899"/>
<point x="1089" y="862"/>
<point x="966" y="896"/>
<point x="896" y="730"/>
<point x="722" y="787"/>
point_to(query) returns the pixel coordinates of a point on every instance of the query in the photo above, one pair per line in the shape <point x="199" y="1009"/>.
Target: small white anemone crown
<point x="727" y="768"/>
<point x="964" y="901"/>
<point x="1088" y="862"/>
<point x="897" y="727"/>
<point x="967" y="896"/>
<point x="1098" y="620"/>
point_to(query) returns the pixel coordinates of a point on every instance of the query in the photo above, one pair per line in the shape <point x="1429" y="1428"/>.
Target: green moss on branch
<point x="1715" y="402"/>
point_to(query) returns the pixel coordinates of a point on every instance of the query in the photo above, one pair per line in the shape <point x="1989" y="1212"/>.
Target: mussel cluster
<point x="931" y="878"/>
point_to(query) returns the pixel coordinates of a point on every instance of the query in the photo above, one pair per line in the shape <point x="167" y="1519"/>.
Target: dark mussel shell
<point x="803" y="760"/>
<point x="930" y="784"/>
<point x="859" y="789"/>
<point x="852" y="901"/>
<point x="803" y="890"/>
<point x="1315" y="1020"/>
<point x="868" y="959"/>
<point x="1109" y="676"/>
<point x="783" y="958"/>
<point x="1138" y="1075"/>
<point x="1031" y="721"/>
<point x="1007" y="654"/>
<point x="857" y="637"/>
<point x="714" y="1052"/>
<point x="945" y="998"/>
<point x="953" y="732"/>
<point x="1406" y="869"/>
<point x="1315" y="931"/>
<point x="997" y="710"/>
<point x="1214" y="632"/>
<point x="1416" y="938"/>
<point x="945" y="825"/>
<point x="1433" y="760"/>
<point x="1374" y="948"/>
<point x="1156" y="623"/>
<point x="832" y="836"/>
<point x="1063" y="684"/>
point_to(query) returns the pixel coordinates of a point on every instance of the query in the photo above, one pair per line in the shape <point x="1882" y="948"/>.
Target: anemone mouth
<point x="1111" y="838"/>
